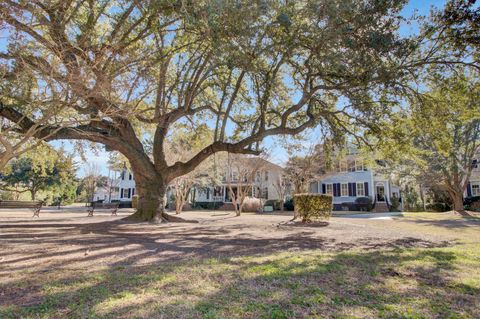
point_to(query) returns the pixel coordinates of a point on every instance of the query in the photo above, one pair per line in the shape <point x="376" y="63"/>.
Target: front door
<point x="380" y="193"/>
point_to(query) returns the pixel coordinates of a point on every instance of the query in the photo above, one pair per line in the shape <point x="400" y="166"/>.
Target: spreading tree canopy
<point x="127" y="71"/>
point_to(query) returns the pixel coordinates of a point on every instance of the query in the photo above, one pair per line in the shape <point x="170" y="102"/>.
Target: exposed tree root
<point x="138" y="216"/>
<point x="463" y="213"/>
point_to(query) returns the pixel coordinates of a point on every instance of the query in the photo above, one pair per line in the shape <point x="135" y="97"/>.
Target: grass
<point x="398" y="283"/>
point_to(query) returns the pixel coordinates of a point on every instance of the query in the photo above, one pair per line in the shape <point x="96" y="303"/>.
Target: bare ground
<point x="67" y="240"/>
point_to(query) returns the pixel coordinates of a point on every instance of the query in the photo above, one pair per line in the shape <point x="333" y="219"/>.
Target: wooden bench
<point x="96" y="205"/>
<point x="35" y="205"/>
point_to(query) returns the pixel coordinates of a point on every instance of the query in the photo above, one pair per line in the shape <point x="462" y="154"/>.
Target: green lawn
<point x="379" y="283"/>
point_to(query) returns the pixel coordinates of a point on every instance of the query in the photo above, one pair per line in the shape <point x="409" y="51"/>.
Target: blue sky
<point x="277" y="153"/>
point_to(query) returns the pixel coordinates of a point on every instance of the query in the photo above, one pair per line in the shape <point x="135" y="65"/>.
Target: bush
<point x="288" y="205"/>
<point x="472" y="203"/>
<point x="395" y="204"/>
<point x="251" y="204"/>
<point x="207" y="205"/>
<point x="364" y="204"/>
<point x="437" y="207"/>
<point x="276" y="204"/>
<point x="313" y="206"/>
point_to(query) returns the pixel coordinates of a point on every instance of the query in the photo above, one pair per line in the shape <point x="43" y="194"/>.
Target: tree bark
<point x="457" y="199"/>
<point x="151" y="192"/>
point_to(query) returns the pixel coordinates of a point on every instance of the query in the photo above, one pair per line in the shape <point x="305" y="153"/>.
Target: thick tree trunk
<point x="457" y="199"/>
<point x="151" y="202"/>
<point x="33" y="194"/>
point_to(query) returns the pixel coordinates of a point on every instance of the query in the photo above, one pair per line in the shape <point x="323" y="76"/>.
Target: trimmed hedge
<point x="207" y="205"/>
<point x="472" y="203"/>
<point x="312" y="206"/>
<point x="276" y="204"/>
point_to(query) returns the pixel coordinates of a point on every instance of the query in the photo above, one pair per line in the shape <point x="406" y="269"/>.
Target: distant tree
<point x="241" y="174"/>
<point x="283" y="187"/>
<point x="91" y="182"/>
<point x="56" y="172"/>
<point x="437" y="140"/>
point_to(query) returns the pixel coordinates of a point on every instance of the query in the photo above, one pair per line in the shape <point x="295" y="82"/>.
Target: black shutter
<point x="469" y="190"/>
<point x="334" y="186"/>
<point x="366" y="189"/>
<point x="350" y="189"/>
<point x="133" y="191"/>
<point x="121" y="192"/>
<point x="129" y="192"/>
<point x="324" y="189"/>
<point x="354" y="189"/>
<point x="339" y="189"/>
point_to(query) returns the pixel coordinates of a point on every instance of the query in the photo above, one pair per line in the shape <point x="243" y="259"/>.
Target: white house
<point x="263" y="187"/>
<point x="473" y="187"/>
<point x="121" y="188"/>
<point x="352" y="179"/>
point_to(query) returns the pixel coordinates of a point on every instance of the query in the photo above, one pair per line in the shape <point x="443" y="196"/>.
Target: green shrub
<point x="313" y="206"/>
<point x="276" y="204"/>
<point x="364" y="204"/>
<point x="395" y="204"/>
<point x="472" y="203"/>
<point x="207" y="205"/>
<point x="288" y="205"/>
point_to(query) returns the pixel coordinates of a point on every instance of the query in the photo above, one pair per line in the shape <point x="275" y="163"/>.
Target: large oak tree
<point x="130" y="69"/>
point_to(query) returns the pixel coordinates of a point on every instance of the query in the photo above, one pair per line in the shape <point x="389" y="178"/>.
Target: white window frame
<point x="341" y="190"/>
<point x="331" y="189"/>
<point x="475" y="192"/>
<point x="363" y="189"/>
<point x="343" y="166"/>
<point x="359" y="166"/>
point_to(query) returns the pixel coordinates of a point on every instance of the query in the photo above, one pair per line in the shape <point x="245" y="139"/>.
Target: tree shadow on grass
<point x="465" y="222"/>
<point x="399" y="283"/>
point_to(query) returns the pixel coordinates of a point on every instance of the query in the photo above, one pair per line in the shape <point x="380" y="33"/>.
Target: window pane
<point x="360" y="189"/>
<point x="476" y="190"/>
<point x="344" y="190"/>
<point x="329" y="189"/>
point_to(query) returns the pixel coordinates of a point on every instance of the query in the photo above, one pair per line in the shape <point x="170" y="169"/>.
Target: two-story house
<point x="351" y="179"/>
<point x="473" y="187"/>
<point x="121" y="188"/>
<point x="263" y="185"/>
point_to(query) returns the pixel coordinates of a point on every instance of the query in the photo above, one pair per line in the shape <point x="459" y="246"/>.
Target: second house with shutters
<point x="353" y="184"/>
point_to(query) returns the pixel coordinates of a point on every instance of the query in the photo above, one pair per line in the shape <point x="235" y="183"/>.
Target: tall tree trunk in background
<point x="422" y="197"/>
<point x="33" y="193"/>
<point x="457" y="199"/>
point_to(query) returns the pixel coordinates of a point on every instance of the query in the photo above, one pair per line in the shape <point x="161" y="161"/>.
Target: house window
<point x="130" y="176"/>
<point x="266" y="175"/>
<point x="475" y="189"/>
<point x="360" y="189"/>
<point x="343" y="166"/>
<point x="258" y="177"/>
<point x="359" y="166"/>
<point x="329" y="189"/>
<point x="351" y="166"/>
<point x="265" y="193"/>
<point x="123" y="175"/>
<point x="344" y="190"/>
